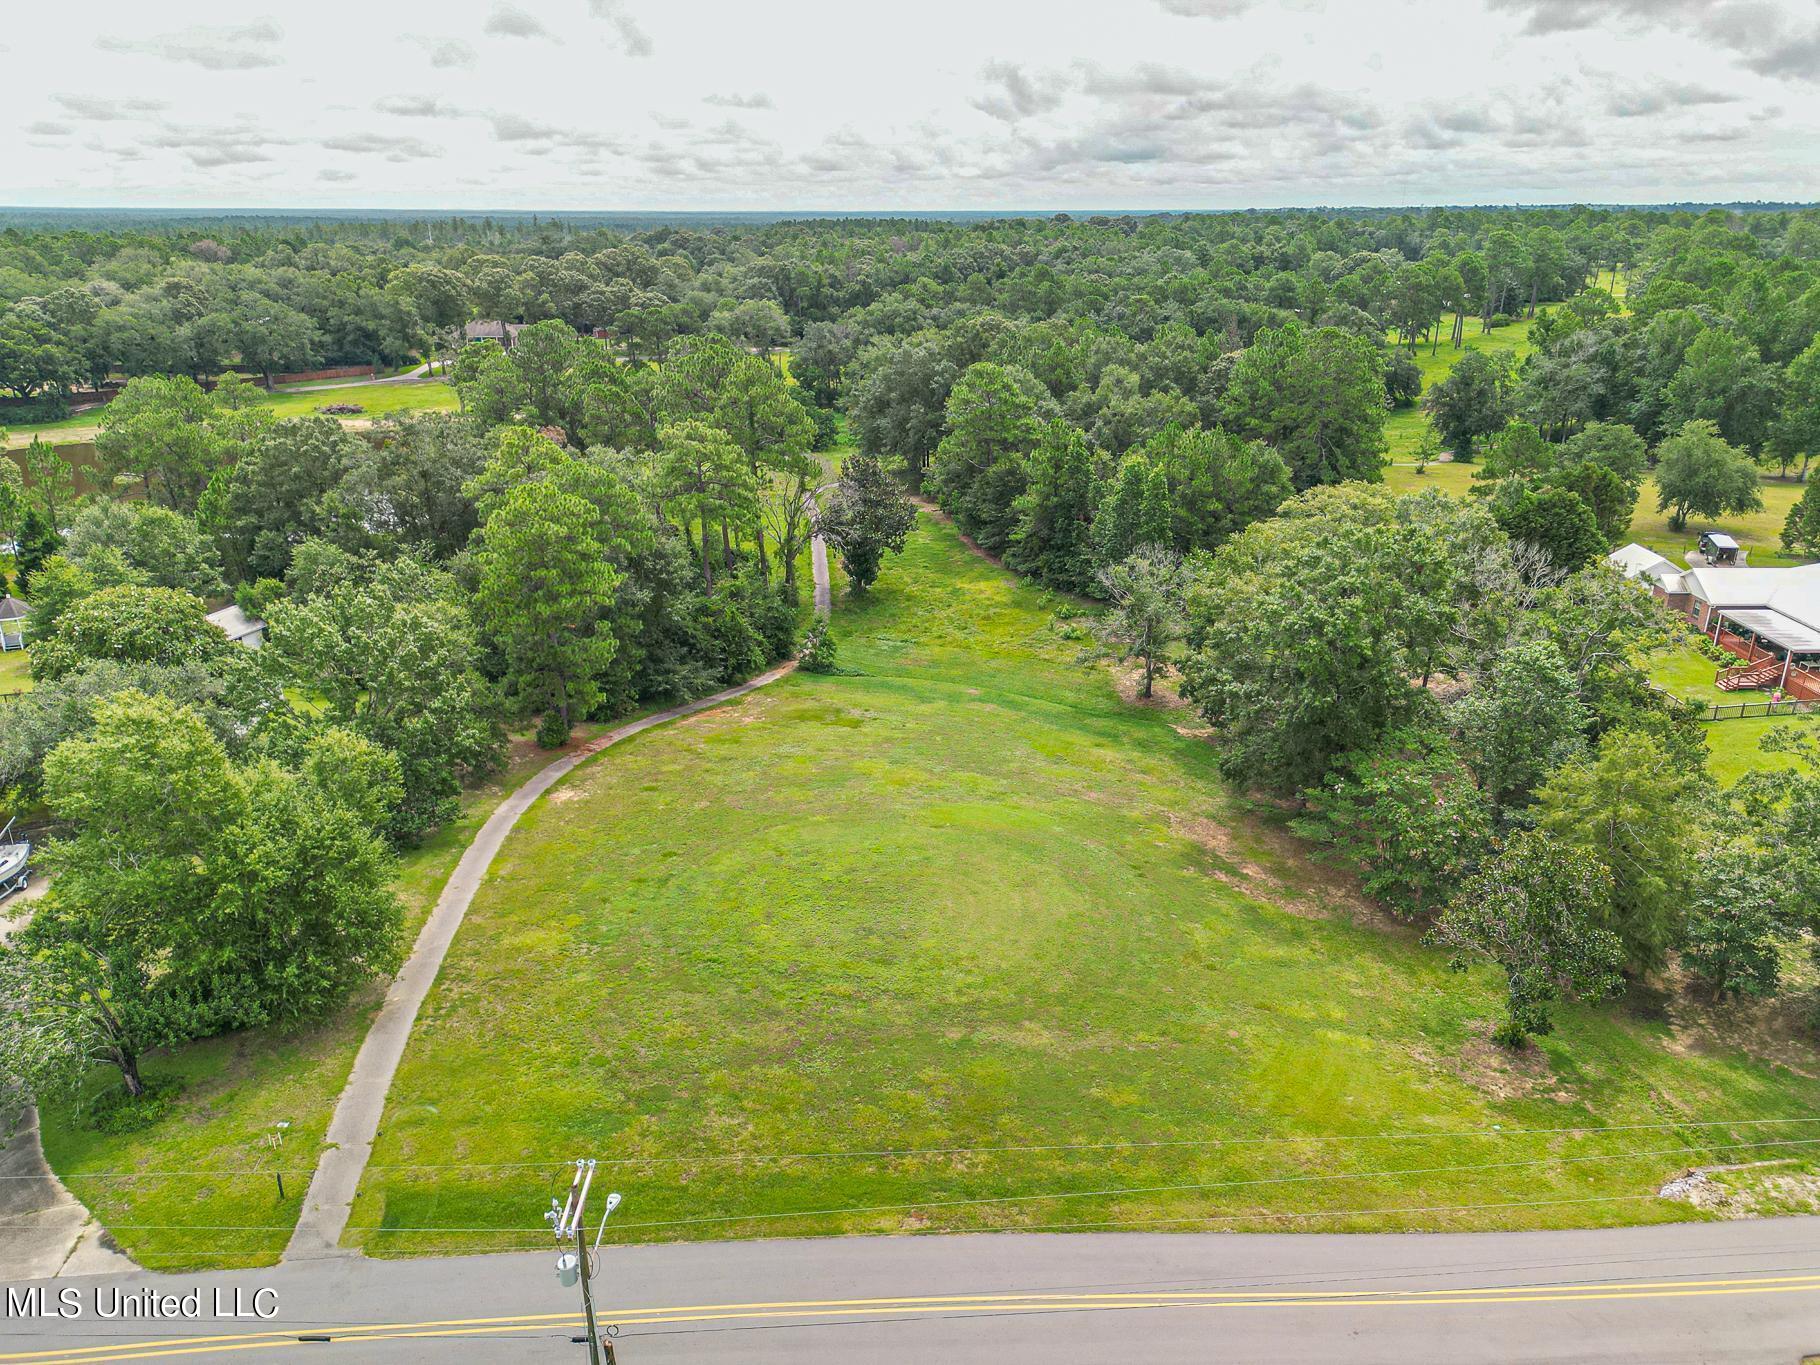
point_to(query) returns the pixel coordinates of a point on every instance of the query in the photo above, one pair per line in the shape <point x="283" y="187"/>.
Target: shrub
<point x="818" y="650"/>
<point x="47" y="408"/>
<point x="552" y="730"/>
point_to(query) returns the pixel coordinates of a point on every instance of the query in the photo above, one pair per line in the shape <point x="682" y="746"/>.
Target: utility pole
<point x="587" y="1294"/>
<point x="569" y="1218"/>
<point x="277" y="1141"/>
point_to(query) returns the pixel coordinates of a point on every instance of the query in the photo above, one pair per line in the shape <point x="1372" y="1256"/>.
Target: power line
<point x="1211" y="1185"/>
<point x="895" y="1153"/>
<point x="1032" y="1197"/>
<point x="923" y="1232"/>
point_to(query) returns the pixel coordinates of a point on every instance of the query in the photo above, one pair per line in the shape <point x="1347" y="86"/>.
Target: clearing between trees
<point x="959" y="938"/>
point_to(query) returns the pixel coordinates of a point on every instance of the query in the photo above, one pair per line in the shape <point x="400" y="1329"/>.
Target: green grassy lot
<point x="198" y="1189"/>
<point x="20" y="433"/>
<point x="1758" y="532"/>
<point x="377" y="399"/>
<point x="1449" y="478"/>
<point x="1732" y="744"/>
<point x="16" y="671"/>
<point x="1688" y="673"/>
<point x="963" y="896"/>
<point x="1403" y="430"/>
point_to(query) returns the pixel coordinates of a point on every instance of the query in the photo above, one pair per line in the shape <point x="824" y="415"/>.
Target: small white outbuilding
<point x="238" y="626"/>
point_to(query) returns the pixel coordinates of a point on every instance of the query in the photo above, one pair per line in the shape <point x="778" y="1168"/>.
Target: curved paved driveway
<point x="330" y="1198"/>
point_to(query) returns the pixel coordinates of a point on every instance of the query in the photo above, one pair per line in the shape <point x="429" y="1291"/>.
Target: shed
<point x="1718" y="548"/>
<point x="238" y="626"/>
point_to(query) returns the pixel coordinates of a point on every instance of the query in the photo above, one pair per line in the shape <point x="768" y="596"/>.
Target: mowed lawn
<point x="375" y="400"/>
<point x="1758" y="532"/>
<point x="1403" y="429"/>
<point x="959" y="939"/>
<point x="15" y="671"/>
<point x="1734" y="745"/>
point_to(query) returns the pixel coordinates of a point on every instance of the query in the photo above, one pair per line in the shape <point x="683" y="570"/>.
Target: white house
<point x="238" y="626"/>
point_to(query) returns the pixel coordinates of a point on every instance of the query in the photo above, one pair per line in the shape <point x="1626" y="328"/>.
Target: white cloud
<point x="413" y="106"/>
<point x="509" y="21"/>
<point x="445" y="53"/>
<point x="379" y="144"/>
<point x="632" y="35"/>
<point x="101" y="109"/>
<point x="1149" y="103"/>
<point x="1206" y="9"/>
<point x="1761" y="35"/>
<point x="757" y="100"/>
<point x="240" y="47"/>
<point x="1012" y="94"/>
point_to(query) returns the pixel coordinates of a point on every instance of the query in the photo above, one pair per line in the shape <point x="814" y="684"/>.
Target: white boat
<point x="15" y="861"/>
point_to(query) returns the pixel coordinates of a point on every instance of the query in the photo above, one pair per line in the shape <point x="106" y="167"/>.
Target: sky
<point x="945" y="104"/>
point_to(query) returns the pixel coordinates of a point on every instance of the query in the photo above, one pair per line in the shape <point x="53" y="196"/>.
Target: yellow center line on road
<point x="1039" y="1302"/>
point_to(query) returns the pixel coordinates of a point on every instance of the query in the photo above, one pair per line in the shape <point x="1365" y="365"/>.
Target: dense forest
<point x="83" y="304"/>
<point x="1178" y="415"/>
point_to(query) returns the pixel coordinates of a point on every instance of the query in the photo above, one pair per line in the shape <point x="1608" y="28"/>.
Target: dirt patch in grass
<point x="1165" y="693"/>
<point x="1316" y="892"/>
<point x="737" y="714"/>
<point x="1217" y="839"/>
<point x="1774" y="1031"/>
<point x="1508" y="1075"/>
<point x="1499" y="1072"/>
<point x="1289" y="876"/>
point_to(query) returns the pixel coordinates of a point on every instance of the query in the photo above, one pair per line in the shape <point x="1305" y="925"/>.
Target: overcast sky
<point x="989" y="104"/>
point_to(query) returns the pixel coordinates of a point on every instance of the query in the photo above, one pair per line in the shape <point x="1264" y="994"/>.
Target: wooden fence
<point x="1743" y="709"/>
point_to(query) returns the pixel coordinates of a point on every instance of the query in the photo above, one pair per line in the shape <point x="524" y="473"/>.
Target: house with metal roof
<point x="1769" y="618"/>
<point x="1639" y="561"/>
<point x="491" y="329"/>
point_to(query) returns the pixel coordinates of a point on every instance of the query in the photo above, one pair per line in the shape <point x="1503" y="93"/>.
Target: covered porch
<point x="1778" y="652"/>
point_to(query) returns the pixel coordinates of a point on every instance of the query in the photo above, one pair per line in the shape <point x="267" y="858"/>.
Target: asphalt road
<point x="1705" y="1292"/>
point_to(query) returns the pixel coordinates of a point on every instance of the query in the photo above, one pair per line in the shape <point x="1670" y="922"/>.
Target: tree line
<point x="81" y="304"/>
